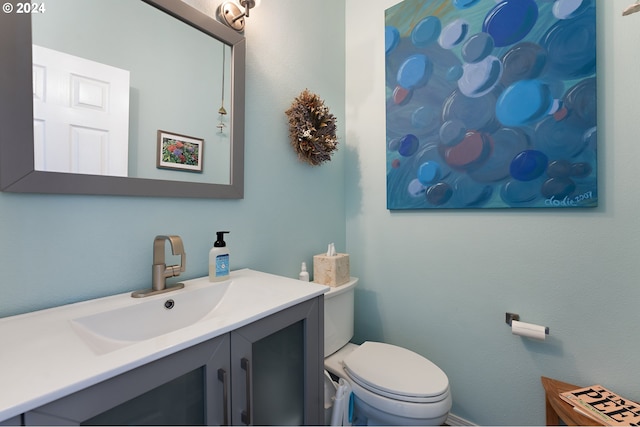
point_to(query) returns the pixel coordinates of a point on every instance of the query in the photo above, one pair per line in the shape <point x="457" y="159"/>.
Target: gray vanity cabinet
<point x="266" y="373"/>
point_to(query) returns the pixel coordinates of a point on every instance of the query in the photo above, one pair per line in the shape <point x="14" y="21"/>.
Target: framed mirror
<point x="19" y="84"/>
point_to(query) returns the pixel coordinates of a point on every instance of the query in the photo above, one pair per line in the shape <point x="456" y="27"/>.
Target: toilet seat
<point x="396" y="373"/>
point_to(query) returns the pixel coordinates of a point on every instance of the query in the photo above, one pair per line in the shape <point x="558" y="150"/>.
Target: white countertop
<point x="42" y="359"/>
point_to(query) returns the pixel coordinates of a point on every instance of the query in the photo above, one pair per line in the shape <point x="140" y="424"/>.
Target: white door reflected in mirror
<point x="81" y="115"/>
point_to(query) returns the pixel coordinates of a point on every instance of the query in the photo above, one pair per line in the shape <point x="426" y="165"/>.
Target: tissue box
<point x="331" y="270"/>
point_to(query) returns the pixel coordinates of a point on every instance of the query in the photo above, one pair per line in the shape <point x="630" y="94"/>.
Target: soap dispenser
<point x="219" y="259"/>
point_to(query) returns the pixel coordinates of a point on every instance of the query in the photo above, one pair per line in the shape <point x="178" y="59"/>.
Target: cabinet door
<point x="277" y="368"/>
<point x="15" y="421"/>
<point x="181" y="389"/>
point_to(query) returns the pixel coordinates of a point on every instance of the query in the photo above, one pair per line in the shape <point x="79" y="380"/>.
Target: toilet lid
<point x="396" y="372"/>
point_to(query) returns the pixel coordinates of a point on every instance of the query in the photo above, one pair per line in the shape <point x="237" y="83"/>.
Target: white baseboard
<point x="453" y="420"/>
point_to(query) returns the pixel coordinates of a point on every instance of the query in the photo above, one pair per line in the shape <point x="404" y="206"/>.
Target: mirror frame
<point x="17" y="172"/>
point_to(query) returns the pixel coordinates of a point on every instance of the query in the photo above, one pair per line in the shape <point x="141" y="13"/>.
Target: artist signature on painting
<point x="567" y="201"/>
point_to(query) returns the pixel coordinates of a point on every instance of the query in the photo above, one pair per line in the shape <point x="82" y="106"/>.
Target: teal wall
<point x="58" y="249"/>
<point x="440" y="282"/>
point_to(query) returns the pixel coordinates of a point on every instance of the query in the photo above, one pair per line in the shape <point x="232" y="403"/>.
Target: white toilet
<point x="391" y="385"/>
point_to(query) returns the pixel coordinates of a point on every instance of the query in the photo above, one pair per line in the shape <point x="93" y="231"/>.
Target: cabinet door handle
<point x="246" y="415"/>
<point x="222" y="376"/>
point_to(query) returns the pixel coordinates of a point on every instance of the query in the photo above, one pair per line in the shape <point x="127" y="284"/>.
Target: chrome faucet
<point x="160" y="271"/>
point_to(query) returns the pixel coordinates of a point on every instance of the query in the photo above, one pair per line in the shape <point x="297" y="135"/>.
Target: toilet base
<point x="365" y="414"/>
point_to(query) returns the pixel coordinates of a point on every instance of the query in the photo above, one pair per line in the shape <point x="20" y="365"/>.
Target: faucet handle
<point x="183" y="263"/>
<point x="175" y="270"/>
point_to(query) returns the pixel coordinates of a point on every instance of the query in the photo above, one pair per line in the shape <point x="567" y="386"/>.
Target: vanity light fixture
<point x="229" y="13"/>
<point x="633" y="8"/>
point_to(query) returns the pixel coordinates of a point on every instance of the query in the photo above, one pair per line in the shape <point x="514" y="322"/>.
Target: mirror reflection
<point x="124" y="89"/>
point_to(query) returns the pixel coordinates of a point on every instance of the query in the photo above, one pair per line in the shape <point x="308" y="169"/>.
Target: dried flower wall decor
<point x="312" y="129"/>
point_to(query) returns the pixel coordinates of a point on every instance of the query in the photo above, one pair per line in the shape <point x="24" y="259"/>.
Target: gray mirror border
<point x="17" y="172"/>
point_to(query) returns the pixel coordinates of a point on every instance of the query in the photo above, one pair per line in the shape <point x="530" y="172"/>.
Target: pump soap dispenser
<point x="219" y="259"/>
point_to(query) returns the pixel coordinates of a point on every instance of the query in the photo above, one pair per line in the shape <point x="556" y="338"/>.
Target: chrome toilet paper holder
<point x="509" y="317"/>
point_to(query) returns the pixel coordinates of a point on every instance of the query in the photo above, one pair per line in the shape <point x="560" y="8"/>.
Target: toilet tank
<point x="338" y="316"/>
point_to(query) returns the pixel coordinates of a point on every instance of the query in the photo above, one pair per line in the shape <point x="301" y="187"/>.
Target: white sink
<point x="149" y="318"/>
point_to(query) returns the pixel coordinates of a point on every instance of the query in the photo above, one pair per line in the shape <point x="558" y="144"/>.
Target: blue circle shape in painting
<point x="452" y="132"/>
<point x="558" y="188"/>
<point x="480" y="78"/>
<point x="464" y="4"/>
<point x="528" y="165"/>
<point x="519" y="193"/>
<point x="408" y="145"/>
<point x="454" y="73"/>
<point x="581" y="170"/>
<point x="415" y="188"/>
<point x="426" y="31"/>
<point x="560" y="139"/>
<point x="524" y="102"/>
<point x="510" y="21"/>
<point x="439" y="194"/>
<point x="415" y="71"/>
<point x="568" y="9"/>
<point x="391" y="38"/>
<point x="428" y="172"/>
<point x="477" y="47"/>
<point x="453" y="34"/>
<point x="523" y="61"/>
<point x="424" y="118"/>
<point x="394" y="144"/>
<point x="475" y="113"/>
<point x="559" y="169"/>
<point x="468" y="193"/>
<point x="581" y="101"/>
<point x="571" y="47"/>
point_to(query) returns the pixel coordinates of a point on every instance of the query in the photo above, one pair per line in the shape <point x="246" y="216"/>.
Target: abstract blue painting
<point x="491" y="104"/>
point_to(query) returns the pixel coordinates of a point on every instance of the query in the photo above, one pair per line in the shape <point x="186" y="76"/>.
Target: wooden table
<point x="557" y="409"/>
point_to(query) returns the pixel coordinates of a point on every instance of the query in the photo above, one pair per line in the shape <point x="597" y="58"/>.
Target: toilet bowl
<point x="391" y="385"/>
